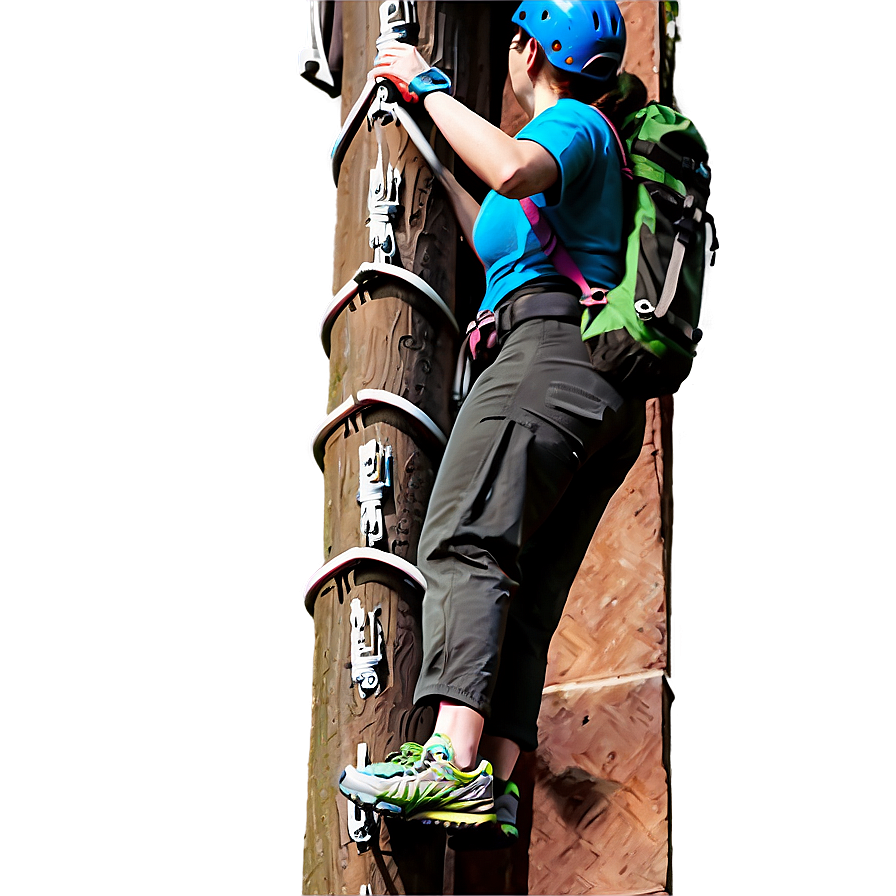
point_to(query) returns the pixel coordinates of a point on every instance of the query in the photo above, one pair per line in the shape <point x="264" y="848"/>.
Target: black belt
<point x="537" y="305"/>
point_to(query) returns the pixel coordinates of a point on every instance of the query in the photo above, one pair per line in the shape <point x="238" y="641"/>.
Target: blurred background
<point x="166" y="233"/>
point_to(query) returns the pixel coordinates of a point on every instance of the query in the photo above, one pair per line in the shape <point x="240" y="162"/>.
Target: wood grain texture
<point x="389" y="338"/>
<point x="341" y="719"/>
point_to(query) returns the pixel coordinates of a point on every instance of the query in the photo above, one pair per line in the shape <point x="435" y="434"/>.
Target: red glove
<point x="402" y="87"/>
<point x="399" y="63"/>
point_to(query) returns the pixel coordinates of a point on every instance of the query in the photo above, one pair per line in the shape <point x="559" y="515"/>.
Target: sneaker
<point x="422" y="783"/>
<point x="501" y="833"/>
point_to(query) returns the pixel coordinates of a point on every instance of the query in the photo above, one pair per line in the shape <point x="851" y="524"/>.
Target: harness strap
<point x="555" y="250"/>
<point x="538" y="305"/>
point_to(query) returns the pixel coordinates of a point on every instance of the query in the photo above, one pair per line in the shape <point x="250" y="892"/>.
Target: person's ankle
<point x="466" y="761"/>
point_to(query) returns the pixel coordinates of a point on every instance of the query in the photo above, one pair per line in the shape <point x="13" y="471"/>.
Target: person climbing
<point x="542" y="441"/>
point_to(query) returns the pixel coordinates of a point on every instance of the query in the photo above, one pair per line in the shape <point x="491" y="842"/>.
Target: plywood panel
<point x="615" y="621"/>
<point x="600" y="820"/>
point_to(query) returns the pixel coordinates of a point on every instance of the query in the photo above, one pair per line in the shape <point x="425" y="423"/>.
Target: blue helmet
<point x="583" y="38"/>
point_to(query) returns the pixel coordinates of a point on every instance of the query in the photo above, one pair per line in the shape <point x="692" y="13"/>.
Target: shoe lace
<point x="408" y="755"/>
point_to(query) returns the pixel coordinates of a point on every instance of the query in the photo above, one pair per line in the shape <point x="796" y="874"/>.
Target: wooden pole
<point x="391" y="347"/>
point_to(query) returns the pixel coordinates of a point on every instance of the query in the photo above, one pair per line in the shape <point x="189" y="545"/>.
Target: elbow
<point x="511" y="182"/>
<point x="518" y="178"/>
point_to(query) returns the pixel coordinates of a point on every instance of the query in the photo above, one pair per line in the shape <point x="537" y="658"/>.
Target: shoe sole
<point x="439" y="817"/>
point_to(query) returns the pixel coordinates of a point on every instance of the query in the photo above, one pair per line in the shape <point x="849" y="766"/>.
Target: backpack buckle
<point x="597" y="296"/>
<point x="645" y="309"/>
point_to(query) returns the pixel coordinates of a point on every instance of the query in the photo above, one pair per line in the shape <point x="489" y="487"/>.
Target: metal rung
<point x="370" y="272"/>
<point x="380" y="565"/>
<point x="370" y="399"/>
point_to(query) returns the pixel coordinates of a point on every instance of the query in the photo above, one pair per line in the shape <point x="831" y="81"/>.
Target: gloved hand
<point x="402" y="65"/>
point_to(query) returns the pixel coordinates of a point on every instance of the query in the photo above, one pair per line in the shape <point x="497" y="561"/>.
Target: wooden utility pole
<point x="391" y="333"/>
<point x="595" y="813"/>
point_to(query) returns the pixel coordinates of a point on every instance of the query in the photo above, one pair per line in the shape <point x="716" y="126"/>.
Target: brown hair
<point x="626" y="95"/>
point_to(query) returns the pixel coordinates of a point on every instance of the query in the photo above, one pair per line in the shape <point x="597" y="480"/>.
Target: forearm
<point x="514" y="168"/>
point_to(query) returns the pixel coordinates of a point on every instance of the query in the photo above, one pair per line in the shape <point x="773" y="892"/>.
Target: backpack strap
<point x="685" y="227"/>
<point x="623" y="155"/>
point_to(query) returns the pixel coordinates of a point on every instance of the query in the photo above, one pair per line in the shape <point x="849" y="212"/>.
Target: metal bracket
<point x="374" y="477"/>
<point x="370" y="274"/>
<point x="383" y="205"/>
<point x="383" y="104"/>
<point x="375" y="565"/>
<point x="363" y="824"/>
<point x="398" y="21"/>
<point x="369" y="400"/>
<point x="366" y="658"/>
<point x="313" y="58"/>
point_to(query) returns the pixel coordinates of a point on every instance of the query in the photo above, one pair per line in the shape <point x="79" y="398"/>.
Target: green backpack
<point x="644" y="339"/>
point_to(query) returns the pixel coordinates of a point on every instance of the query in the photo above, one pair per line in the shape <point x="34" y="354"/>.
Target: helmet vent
<point x="596" y="21"/>
<point x="545" y="15"/>
<point x="556" y="45"/>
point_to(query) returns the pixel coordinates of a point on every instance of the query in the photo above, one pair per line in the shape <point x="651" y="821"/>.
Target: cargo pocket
<point x="575" y="401"/>
<point x="582" y="414"/>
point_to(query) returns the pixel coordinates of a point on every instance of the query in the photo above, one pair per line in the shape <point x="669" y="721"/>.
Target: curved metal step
<point x="380" y="566"/>
<point x="370" y="272"/>
<point x="371" y="399"/>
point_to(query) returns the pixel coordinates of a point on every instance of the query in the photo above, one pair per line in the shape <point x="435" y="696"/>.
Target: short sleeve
<point x="570" y="136"/>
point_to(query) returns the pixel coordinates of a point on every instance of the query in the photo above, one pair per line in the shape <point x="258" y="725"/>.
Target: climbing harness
<point x="488" y="331"/>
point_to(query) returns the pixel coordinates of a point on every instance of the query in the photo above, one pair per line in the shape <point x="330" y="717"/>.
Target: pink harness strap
<point x="556" y="251"/>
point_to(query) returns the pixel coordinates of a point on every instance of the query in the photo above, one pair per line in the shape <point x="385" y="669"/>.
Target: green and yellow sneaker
<point x="422" y="783"/>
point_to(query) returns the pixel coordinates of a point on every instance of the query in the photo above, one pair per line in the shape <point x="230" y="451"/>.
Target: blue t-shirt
<point x="584" y="207"/>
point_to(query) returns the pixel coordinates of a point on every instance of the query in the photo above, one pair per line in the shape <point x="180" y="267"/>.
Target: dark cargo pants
<point x="539" y="447"/>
